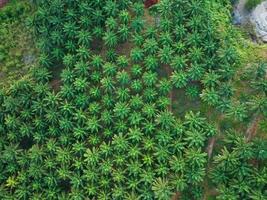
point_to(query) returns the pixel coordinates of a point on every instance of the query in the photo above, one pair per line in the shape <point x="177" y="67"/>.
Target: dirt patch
<point x="253" y="127"/>
<point x="125" y="48"/>
<point x="55" y="84"/>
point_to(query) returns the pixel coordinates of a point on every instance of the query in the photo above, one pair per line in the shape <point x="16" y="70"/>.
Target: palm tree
<point x="98" y="32"/>
<point x="179" y="183"/>
<point x="121" y="110"/>
<point x="96" y="61"/>
<point x="71" y="46"/>
<point x="136" y="102"/>
<point x="137" y="24"/>
<point x="69" y="60"/>
<point x="107" y="84"/>
<point x="136" y="85"/>
<point x="258" y="104"/>
<point x="196" y="71"/>
<point x="110" y="39"/>
<point x="150" y="46"/>
<point x="165" y="119"/>
<point x="165" y="8"/>
<point x="149" y="78"/>
<point x="165" y="24"/>
<point x="135" y="134"/>
<point x="150" y="94"/>
<point x="83" y="53"/>
<point x="163" y="102"/>
<point x="41" y="74"/>
<point x="179" y="62"/>
<point x="111" y="24"/>
<point x="56" y="37"/>
<point x="70" y="29"/>
<point x="110" y="8"/>
<point x="137" y="55"/>
<point x="162" y="189"/>
<point x="138" y="8"/>
<point x="124" y="17"/>
<point x="164" y="86"/>
<point x="194" y="120"/>
<point x="180" y="31"/>
<point x="238" y="111"/>
<point x="93" y="124"/>
<point x="194" y="39"/>
<point x="124" y="33"/>
<point x="123" y="78"/>
<point x="122" y="61"/>
<point x="138" y="39"/>
<point x="110" y="69"/>
<point x="165" y="54"/>
<point x="92" y="156"/>
<point x="196" y="54"/>
<point x="195" y="138"/>
<point x="120" y="143"/>
<point x="210" y="96"/>
<point x="211" y="79"/>
<point x="149" y="110"/>
<point x="192" y="91"/>
<point x="84" y="38"/>
<point x="179" y="79"/>
<point x="80" y="84"/>
<point x="151" y="62"/>
<point x="166" y="39"/>
<point x="136" y="71"/>
<point x="106" y="117"/>
<point x="226" y="90"/>
<point x="135" y="118"/>
<point x="195" y="158"/>
<point x="45" y="60"/>
<point x="123" y="94"/>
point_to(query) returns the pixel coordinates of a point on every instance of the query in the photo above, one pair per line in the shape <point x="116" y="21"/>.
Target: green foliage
<point x="240" y="168"/>
<point x="250" y="4"/>
<point x="107" y="131"/>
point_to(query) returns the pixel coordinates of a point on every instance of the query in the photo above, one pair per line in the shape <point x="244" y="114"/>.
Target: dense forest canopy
<point x="95" y="119"/>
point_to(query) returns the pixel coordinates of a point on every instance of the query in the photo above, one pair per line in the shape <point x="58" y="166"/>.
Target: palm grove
<point x="108" y="131"/>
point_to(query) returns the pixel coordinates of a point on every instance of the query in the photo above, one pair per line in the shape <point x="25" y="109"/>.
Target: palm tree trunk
<point x="176" y="196"/>
<point x="210" y="146"/>
<point x="253" y="126"/>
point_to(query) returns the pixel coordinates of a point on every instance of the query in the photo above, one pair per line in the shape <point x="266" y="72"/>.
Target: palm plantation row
<point x="109" y="131"/>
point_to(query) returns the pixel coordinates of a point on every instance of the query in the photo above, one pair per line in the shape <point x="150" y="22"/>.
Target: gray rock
<point x="259" y="19"/>
<point x="240" y="14"/>
<point x="29" y="59"/>
<point x="237" y="18"/>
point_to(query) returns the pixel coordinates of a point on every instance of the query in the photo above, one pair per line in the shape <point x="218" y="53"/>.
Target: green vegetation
<point x="130" y="104"/>
<point x="250" y="4"/>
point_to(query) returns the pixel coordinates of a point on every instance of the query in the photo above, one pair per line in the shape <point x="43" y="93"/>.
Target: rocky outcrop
<point x="240" y="14"/>
<point x="259" y="19"/>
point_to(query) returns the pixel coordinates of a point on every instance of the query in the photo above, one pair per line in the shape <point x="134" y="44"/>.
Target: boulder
<point x="259" y="18"/>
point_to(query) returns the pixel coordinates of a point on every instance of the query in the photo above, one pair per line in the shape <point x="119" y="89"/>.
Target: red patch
<point x="2" y="3"/>
<point x="149" y="3"/>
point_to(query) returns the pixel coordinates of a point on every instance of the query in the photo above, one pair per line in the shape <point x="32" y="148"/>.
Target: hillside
<point x="128" y="100"/>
